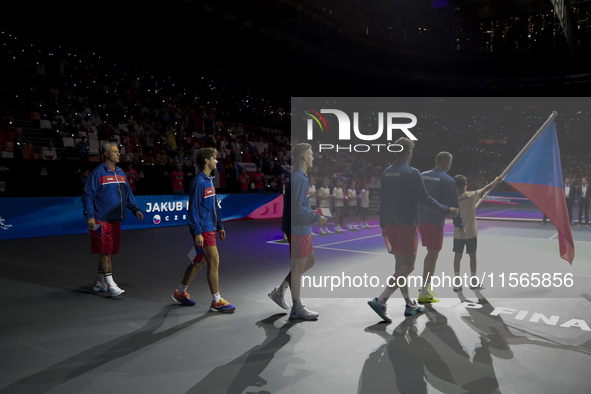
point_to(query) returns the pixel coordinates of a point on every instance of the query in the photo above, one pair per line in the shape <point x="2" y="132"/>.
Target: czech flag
<point x="196" y="254"/>
<point x="323" y="212"/>
<point x="96" y="231"/>
<point x="538" y="176"/>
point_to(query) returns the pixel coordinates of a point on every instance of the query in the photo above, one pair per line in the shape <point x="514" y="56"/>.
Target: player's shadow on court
<point x="409" y="360"/>
<point x="500" y="335"/>
<point x="98" y="356"/>
<point x="243" y="372"/>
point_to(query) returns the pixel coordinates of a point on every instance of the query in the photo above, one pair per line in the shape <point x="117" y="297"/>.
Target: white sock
<point x="407" y="299"/>
<point x="297" y="303"/>
<point x="182" y="288"/>
<point x="100" y="277"/>
<point x="283" y="287"/>
<point x="109" y="279"/>
<point x="386" y="294"/>
<point x="216" y="297"/>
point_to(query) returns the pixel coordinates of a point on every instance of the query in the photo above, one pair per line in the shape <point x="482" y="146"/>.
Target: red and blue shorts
<point x="404" y="239"/>
<point x="431" y="236"/>
<point x="109" y="240"/>
<point x="208" y="238"/>
<point x="300" y="246"/>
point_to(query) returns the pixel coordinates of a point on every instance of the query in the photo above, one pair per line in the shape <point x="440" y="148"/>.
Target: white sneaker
<point x="321" y="232"/>
<point x="278" y="298"/>
<point x="339" y="230"/>
<point x="355" y="227"/>
<point x="114" y="290"/>
<point x="303" y="313"/>
<point x="98" y="286"/>
<point x="328" y="231"/>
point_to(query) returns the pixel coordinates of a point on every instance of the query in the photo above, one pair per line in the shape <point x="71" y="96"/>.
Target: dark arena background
<point x="163" y="80"/>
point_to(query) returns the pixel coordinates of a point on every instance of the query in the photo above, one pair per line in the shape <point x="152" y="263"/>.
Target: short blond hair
<point x="406" y="144"/>
<point x="298" y="152"/>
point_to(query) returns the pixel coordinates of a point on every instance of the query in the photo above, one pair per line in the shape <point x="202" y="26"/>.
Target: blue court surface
<point x="58" y="336"/>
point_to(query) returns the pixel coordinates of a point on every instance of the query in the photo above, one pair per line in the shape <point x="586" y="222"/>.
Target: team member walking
<point x="204" y="221"/>
<point x="297" y="222"/>
<point x="401" y="193"/>
<point x="442" y="188"/>
<point x="105" y="197"/>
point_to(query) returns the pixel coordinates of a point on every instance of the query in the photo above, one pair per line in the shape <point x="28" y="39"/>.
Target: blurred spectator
<point x="70" y="129"/>
<point x="59" y="127"/>
<point x="95" y="119"/>
<point x="176" y="179"/>
<point x="259" y="181"/>
<point x="161" y="159"/>
<point x="179" y="159"/>
<point x="273" y="170"/>
<point x="29" y="151"/>
<point x="82" y="179"/>
<point x="48" y="152"/>
<point x="82" y="147"/>
<point x="244" y="180"/>
<point x="131" y="174"/>
<point x="171" y="138"/>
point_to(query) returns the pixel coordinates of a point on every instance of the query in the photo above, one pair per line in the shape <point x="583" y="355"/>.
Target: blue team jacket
<point x="106" y="194"/>
<point x="204" y="211"/>
<point x="402" y="192"/>
<point x="442" y="188"/>
<point x="298" y="216"/>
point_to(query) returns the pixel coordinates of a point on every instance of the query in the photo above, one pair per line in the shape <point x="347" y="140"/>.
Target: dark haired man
<point x="583" y="193"/>
<point x="402" y="192"/>
<point x="204" y="221"/>
<point x="442" y="188"/>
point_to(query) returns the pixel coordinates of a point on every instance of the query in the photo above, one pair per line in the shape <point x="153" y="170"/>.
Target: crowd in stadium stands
<point x="158" y="123"/>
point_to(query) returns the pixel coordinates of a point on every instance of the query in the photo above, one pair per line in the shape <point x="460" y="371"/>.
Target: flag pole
<point x="523" y="150"/>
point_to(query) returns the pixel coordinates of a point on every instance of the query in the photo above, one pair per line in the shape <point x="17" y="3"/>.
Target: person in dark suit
<point x="583" y="193"/>
<point x="569" y="195"/>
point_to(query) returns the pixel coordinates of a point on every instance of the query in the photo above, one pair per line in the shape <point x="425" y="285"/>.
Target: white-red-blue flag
<point x="96" y="231"/>
<point x="538" y="176"/>
<point x="196" y="254"/>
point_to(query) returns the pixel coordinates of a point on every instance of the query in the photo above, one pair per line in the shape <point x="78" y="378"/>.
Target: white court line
<point x="534" y="239"/>
<point x="350" y="240"/>
<point x="492" y="213"/>
<point x="348" y="250"/>
<point x="378" y="235"/>
<point x="278" y="242"/>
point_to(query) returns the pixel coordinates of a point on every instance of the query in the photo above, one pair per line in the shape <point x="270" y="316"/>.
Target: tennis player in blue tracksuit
<point x="298" y="218"/>
<point x="402" y="191"/>
<point x="105" y="196"/>
<point x="204" y="221"/>
<point x="443" y="189"/>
